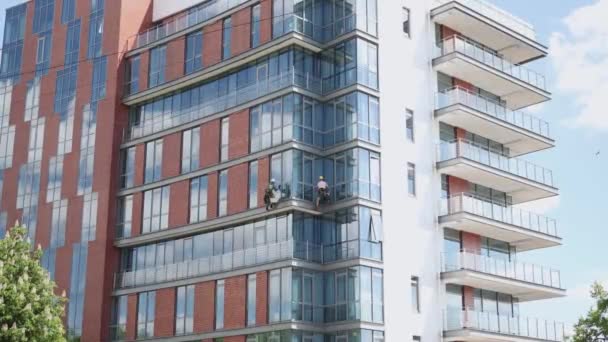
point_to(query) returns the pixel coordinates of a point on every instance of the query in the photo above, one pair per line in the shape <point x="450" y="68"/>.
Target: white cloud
<point x="580" y="58"/>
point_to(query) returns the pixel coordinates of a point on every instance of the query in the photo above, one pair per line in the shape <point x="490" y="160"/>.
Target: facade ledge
<point x="472" y="335"/>
<point x="491" y="26"/>
<point x="523" y="290"/>
<point x="521" y="189"/>
<point x="517" y="139"/>
<point x="273" y="327"/>
<point x="291" y="262"/>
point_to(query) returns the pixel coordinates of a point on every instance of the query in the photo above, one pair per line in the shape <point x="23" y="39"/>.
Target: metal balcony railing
<point x="480" y="206"/>
<point x="285" y="250"/>
<point x="493" y="108"/>
<point x="461" y="148"/>
<point x="526" y="272"/>
<point x="232" y="99"/>
<point x="538" y="329"/>
<point x="498" y="15"/>
<point x="183" y="21"/>
<point x="490" y="58"/>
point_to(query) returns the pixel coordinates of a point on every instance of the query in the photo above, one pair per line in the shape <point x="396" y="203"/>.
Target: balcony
<point x="240" y="259"/>
<point x="521" y="280"/>
<point x="469" y="325"/>
<point x="521" y="180"/>
<point x="512" y="37"/>
<point x="477" y="64"/>
<point x="521" y="229"/>
<point x="519" y="132"/>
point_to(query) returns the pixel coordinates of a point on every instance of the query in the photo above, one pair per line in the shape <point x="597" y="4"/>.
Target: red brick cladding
<point x="266" y="21"/>
<point x="235" y="302"/>
<point x="165" y="313"/>
<point x="131" y="317"/>
<point x="261" y="298"/>
<point x="241" y="31"/>
<point x="212" y="198"/>
<point x="144" y="67"/>
<point x="210" y="142"/>
<point x="212" y="43"/>
<point x="204" y="307"/>
<point x="171" y="163"/>
<point x="176" y="50"/>
<point x="178" y="203"/>
<point x="237" y="188"/>
<point x="238" y="143"/>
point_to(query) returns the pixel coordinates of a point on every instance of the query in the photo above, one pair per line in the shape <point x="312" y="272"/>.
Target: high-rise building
<point x="138" y="139"/>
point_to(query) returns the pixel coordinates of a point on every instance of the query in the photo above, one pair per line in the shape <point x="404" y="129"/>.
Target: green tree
<point x="594" y="327"/>
<point x="29" y="308"/>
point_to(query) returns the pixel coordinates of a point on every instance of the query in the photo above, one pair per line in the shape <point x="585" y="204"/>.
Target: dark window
<point x="406" y="21"/>
<point x="194" y="52"/>
<point x="411" y="179"/>
<point x="227" y="38"/>
<point x="255" y="25"/>
<point x="409" y="124"/>
<point x="415" y="294"/>
<point x="158" y="60"/>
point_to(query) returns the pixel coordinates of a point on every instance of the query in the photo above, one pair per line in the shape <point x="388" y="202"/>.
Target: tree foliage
<point x="29" y="308"/>
<point x="594" y="327"/>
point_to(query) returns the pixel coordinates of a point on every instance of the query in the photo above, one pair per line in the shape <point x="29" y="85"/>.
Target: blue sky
<point x="577" y="71"/>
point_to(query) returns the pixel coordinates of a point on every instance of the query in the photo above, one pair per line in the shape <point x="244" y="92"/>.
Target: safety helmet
<point x="321" y="178"/>
<point x="272" y="180"/>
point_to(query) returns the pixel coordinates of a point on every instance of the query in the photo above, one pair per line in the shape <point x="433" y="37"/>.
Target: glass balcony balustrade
<point x="234" y="98"/>
<point x="518" y="326"/>
<point x="264" y="254"/>
<point x="514" y="270"/>
<point x="481" y="154"/>
<point x="493" y="108"/>
<point x="490" y="58"/>
<point x="486" y="208"/>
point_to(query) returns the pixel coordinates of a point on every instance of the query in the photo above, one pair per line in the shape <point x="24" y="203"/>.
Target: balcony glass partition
<point x="192" y="17"/>
<point x="495" y="159"/>
<point x="497" y="211"/>
<point x="489" y="57"/>
<point x="493" y="108"/>
<point x="503" y="324"/>
<point x="264" y="77"/>
<point x="515" y="270"/>
<point x="287" y="237"/>
<point x="321" y="20"/>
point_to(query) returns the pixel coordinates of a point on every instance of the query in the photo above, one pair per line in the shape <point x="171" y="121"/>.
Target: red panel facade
<point x="204" y="308"/>
<point x="261" y="298"/>
<point x="212" y="50"/>
<point x="238" y="144"/>
<point x="178" y="203"/>
<point x="171" y="155"/>
<point x="210" y="143"/>
<point x="164" y="321"/>
<point x="237" y="188"/>
<point x="241" y="31"/>
<point x="235" y="302"/>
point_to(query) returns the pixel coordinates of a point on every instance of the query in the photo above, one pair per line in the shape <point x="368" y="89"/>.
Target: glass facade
<point x="184" y="310"/>
<point x="12" y="47"/>
<point x="191" y="143"/>
<point x="158" y="61"/>
<point x="156" y="210"/>
<point x="96" y="24"/>
<point x="194" y="52"/>
<point x="146" y="312"/>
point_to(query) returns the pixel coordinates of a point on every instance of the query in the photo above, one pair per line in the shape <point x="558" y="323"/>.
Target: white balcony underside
<point x="517" y="93"/>
<point x="515" y="46"/>
<point x="518" y="140"/>
<point x="466" y="335"/>
<point x="524" y="291"/>
<point x="521" y="238"/>
<point x="519" y="188"/>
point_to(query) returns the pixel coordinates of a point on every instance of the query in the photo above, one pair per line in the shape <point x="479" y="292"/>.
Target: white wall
<point x="413" y="243"/>
<point x="165" y="8"/>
